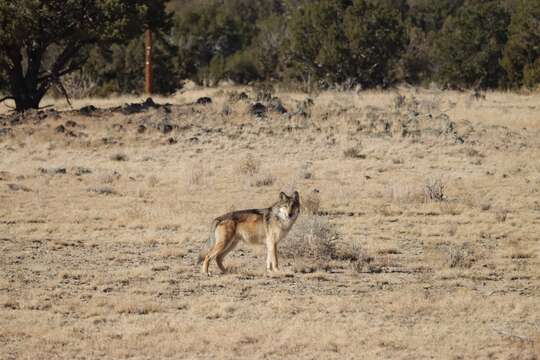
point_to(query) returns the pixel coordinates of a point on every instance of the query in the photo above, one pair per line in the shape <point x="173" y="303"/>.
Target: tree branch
<point x="69" y="51"/>
<point x="64" y="92"/>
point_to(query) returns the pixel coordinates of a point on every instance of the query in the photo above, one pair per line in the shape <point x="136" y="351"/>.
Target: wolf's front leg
<point x="271" y="256"/>
<point x="268" y="258"/>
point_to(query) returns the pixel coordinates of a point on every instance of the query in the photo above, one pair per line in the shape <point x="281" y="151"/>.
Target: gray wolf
<point x="254" y="226"/>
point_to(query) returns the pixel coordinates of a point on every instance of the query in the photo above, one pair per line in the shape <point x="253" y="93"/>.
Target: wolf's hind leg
<point x="219" y="259"/>
<point x="212" y="254"/>
<point x="219" y="262"/>
<point x="223" y="241"/>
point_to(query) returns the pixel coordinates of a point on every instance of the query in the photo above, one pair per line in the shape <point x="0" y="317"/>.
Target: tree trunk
<point x="27" y="96"/>
<point x="25" y="89"/>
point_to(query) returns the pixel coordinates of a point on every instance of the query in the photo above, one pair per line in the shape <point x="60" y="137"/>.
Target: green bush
<point x="240" y="68"/>
<point x="120" y="68"/>
<point x="338" y="41"/>
<point x="522" y="51"/>
<point x="469" y="47"/>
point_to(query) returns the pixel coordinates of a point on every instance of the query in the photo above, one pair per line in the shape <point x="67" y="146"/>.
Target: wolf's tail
<point x="209" y="243"/>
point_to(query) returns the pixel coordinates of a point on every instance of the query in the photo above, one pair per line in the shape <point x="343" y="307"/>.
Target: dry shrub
<point x="78" y="85"/>
<point x="249" y="166"/>
<point x="366" y="264"/>
<point x="305" y="172"/>
<point x="459" y="256"/>
<point x="264" y="179"/>
<point x="195" y="177"/>
<point x="405" y="194"/>
<point x="152" y="181"/>
<point x="501" y="214"/>
<point x="109" y="178"/>
<point x="353" y="152"/>
<point x="450" y="208"/>
<point x="311" y="202"/>
<point x="452" y="229"/>
<point x="235" y="96"/>
<point x="103" y="190"/>
<point x="434" y="190"/>
<point x="521" y="255"/>
<point x="226" y="110"/>
<point x="312" y="237"/>
<point x="137" y="305"/>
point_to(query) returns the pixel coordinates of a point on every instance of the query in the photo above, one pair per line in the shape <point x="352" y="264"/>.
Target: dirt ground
<point x="419" y="236"/>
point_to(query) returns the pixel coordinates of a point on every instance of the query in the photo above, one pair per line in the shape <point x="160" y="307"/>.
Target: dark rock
<point x="52" y="113"/>
<point x="17" y="187"/>
<point x="71" y="123"/>
<point x="257" y="109"/>
<point x="135" y="107"/>
<point x="52" y="171"/>
<point x="109" y="141"/>
<point x="87" y="110"/>
<point x="235" y="96"/>
<point x="172" y="141"/>
<point x="276" y="105"/>
<point x="141" y="129"/>
<point x="149" y="102"/>
<point x="204" y="100"/>
<point x="60" y="129"/>
<point x="164" y="128"/>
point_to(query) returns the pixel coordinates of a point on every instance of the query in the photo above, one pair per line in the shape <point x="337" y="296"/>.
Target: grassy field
<point x="419" y="236"/>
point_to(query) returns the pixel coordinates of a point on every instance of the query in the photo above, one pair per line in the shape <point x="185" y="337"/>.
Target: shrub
<point x="521" y="52"/>
<point x="249" y="166"/>
<point x="336" y="42"/>
<point x="434" y="190"/>
<point x="459" y="256"/>
<point x="265" y="179"/>
<point x="311" y="237"/>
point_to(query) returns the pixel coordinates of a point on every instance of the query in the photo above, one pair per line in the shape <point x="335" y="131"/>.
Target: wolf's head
<point x="288" y="207"/>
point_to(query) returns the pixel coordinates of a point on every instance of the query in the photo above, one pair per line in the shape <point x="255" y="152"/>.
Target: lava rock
<point x="205" y="100"/>
<point x="257" y="109"/>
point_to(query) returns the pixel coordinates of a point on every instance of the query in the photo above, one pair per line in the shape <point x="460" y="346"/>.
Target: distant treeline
<point x="331" y="43"/>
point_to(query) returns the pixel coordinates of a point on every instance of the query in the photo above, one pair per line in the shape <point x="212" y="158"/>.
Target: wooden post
<point x="148" y="62"/>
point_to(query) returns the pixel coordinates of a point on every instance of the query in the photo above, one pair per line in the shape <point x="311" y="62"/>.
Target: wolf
<point x="254" y="226"/>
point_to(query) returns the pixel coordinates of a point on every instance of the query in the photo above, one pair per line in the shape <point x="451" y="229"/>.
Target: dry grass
<point x="97" y="250"/>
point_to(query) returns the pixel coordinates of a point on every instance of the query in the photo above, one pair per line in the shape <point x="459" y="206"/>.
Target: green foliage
<point x="333" y="41"/>
<point x="119" y="68"/>
<point x="317" y="43"/>
<point x="241" y="68"/>
<point x="34" y="31"/>
<point x="469" y="47"/>
<point x="214" y="30"/>
<point x="522" y="52"/>
<point x="267" y="44"/>
<point x="376" y="38"/>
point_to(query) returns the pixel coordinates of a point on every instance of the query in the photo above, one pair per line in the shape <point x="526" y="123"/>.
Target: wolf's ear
<point x="283" y="196"/>
<point x="296" y="195"/>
